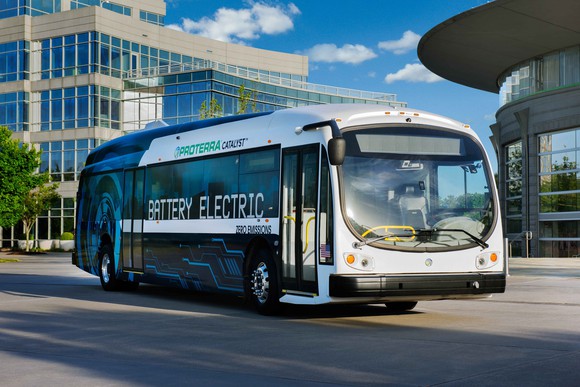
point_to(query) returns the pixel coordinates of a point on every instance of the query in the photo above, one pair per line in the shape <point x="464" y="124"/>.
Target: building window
<point x="115" y="7"/>
<point x="552" y="70"/>
<point x="57" y="220"/>
<point x="66" y="56"/>
<point x="68" y="108"/>
<point x="12" y="8"/>
<point x="14" y="61"/>
<point x="559" y="238"/>
<point x="513" y="195"/>
<point x="152" y="18"/>
<point x="14" y="111"/>
<point x="108" y="108"/>
<point x="65" y="160"/>
<point x="559" y="173"/>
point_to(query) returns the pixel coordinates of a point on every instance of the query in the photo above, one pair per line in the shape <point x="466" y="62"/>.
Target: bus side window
<point x="259" y="175"/>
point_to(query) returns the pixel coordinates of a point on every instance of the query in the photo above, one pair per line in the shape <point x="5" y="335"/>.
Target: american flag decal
<point x="324" y="250"/>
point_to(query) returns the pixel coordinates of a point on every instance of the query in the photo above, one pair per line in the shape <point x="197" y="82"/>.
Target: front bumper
<point x="384" y="285"/>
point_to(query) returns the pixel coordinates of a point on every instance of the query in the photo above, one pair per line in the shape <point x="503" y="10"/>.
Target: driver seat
<point x="413" y="207"/>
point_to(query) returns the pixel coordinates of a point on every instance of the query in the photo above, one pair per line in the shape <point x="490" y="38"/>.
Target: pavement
<point x="59" y="328"/>
<point x="553" y="267"/>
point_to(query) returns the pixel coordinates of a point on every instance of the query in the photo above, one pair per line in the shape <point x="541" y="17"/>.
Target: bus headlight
<point x="487" y="260"/>
<point x="359" y="261"/>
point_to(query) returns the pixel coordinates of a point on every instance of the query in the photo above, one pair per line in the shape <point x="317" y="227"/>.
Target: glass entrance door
<point x="299" y="203"/>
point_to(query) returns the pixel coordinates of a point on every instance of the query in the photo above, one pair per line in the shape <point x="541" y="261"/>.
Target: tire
<point x="401" y="306"/>
<point x="107" y="269"/>
<point x="262" y="285"/>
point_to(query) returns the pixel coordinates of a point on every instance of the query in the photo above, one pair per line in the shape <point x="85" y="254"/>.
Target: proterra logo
<point x="208" y="147"/>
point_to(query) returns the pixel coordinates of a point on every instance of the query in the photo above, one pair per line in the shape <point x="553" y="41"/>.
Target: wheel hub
<point x="105" y="268"/>
<point x="260" y="282"/>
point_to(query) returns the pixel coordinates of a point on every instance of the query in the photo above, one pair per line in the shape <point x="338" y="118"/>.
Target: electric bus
<point x="314" y="205"/>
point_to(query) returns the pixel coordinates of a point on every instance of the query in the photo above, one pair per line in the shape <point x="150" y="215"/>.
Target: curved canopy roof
<point x="475" y="47"/>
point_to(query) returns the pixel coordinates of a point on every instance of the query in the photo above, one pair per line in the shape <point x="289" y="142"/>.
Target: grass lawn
<point x="7" y="260"/>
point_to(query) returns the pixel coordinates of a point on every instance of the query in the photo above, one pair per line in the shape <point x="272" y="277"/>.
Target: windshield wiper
<point x="428" y="232"/>
<point x="424" y="232"/>
<point x="359" y="244"/>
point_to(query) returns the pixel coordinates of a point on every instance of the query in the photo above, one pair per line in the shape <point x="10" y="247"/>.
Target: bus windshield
<point x="416" y="188"/>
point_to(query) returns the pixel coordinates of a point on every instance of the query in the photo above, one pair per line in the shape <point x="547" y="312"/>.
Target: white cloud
<point x="408" y="42"/>
<point x="414" y="73"/>
<point x="348" y="53"/>
<point x="274" y="20"/>
<point x="175" y="27"/>
<point x="239" y="25"/>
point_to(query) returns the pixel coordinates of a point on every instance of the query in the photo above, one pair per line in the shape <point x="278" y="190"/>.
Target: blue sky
<point x="368" y="45"/>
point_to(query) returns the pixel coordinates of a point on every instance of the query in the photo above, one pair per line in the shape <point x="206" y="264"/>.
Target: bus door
<point x="299" y="202"/>
<point x="132" y="234"/>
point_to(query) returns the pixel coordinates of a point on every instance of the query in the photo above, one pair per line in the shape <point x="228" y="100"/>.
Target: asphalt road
<point x="59" y="328"/>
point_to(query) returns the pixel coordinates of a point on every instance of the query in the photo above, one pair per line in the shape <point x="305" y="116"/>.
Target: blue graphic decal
<point x="204" y="267"/>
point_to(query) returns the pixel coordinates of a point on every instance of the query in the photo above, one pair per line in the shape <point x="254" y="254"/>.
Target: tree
<point x="247" y="97"/>
<point x="244" y="98"/>
<point x="214" y="110"/>
<point x="36" y="202"/>
<point x="18" y="163"/>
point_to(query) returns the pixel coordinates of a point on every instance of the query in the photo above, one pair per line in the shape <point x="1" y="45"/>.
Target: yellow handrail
<point x="396" y="238"/>
<point x="307" y="223"/>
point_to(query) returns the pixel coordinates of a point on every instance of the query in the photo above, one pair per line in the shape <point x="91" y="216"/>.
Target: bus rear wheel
<point x="109" y="281"/>
<point x="401" y="306"/>
<point x="263" y="283"/>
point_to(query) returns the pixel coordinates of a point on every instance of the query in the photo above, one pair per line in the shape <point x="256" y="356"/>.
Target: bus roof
<point x="138" y="142"/>
<point x="349" y="114"/>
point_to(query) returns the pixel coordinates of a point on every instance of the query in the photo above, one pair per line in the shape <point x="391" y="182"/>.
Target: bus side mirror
<point x="336" y="150"/>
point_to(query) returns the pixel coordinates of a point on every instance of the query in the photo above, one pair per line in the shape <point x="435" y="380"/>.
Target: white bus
<point x="313" y="205"/>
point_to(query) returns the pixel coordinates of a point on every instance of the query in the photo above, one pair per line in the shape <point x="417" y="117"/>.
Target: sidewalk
<point x="553" y="267"/>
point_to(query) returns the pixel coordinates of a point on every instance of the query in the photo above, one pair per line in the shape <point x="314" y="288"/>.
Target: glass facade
<point x="547" y="72"/>
<point x="14" y="111"/>
<point x="115" y="7"/>
<point x="559" y="172"/>
<point x="65" y="160"/>
<point x="69" y="55"/>
<point x="559" y="191"/>
<point x="177" y="98"/>
<point x="14" y="61"/>
<point x="79" y="107"/>
<point x="57" y="220"/>
<point x="12" y="8"/>
<point x="85" y="53"/>
<point x="91" y="52"/>
<point x="513" y="205"/>
<point x="91" y="86"/>
<point x="152" y="18"/>
<point x="560" y="238"/>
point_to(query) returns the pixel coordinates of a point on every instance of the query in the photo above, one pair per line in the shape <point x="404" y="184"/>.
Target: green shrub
<point x="67" y="236"/>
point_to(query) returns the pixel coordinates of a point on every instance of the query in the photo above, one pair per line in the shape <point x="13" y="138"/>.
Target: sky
<point x="368" y="45"/>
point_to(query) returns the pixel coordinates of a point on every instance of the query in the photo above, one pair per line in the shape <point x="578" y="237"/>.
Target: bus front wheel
<point x="109" y="281"/>
<point x="263" y="283"/>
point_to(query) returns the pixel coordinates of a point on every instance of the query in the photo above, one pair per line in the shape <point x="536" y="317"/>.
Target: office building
<point x="527" y="51"/>
<point x="77" y="73"/>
